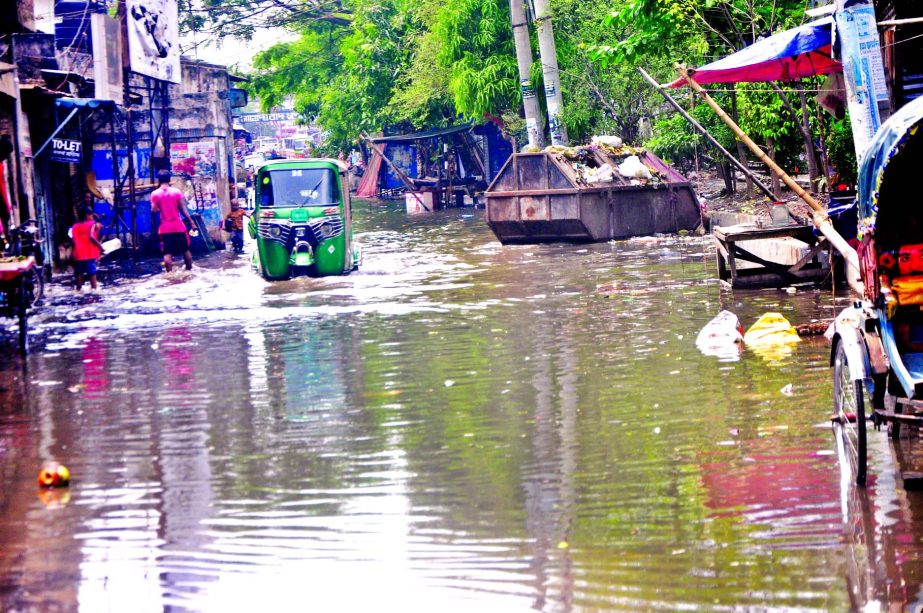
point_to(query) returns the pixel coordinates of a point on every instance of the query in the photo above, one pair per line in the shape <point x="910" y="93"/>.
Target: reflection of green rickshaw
<point x="303" y="221"/>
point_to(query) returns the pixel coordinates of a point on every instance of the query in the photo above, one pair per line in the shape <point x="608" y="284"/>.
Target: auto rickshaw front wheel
<point x="849" y="417"/>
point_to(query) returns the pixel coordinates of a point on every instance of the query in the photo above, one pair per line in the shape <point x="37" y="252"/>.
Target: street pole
<point x="866" y="87"/>
<point x="524" y="59"/>
<point x="129" y="126"/>
<point x="552" y="76"/>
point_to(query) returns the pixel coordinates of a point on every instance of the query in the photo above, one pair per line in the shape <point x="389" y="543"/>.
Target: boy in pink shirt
<point x="171" y="204"/>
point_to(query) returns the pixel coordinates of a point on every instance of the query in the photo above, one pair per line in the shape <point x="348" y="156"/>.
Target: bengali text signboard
<point x="66" y="150"/>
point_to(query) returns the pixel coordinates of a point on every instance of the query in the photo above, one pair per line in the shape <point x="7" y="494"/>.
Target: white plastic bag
<point x="609" y="141"/>
<point x="633" y="168"/>
<point x="721" y="337"/>
<point x="599" y="175"/>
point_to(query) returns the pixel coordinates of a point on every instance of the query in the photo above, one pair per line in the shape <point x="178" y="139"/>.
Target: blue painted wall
<point x="404" y="157"/>
<point x="102" y="163"/>
<point x="499" y="149"/>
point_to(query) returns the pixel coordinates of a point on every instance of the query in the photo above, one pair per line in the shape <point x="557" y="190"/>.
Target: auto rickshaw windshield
<point x="296" y="187"/>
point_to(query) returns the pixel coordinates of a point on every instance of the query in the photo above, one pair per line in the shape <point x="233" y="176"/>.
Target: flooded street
<point x="457" y="425"/>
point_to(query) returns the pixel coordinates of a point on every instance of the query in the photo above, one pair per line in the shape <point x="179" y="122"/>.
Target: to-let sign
<point x="66" y="150"/>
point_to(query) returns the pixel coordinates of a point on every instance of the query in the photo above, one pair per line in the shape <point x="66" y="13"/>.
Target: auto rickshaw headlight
<point x="275" y="231"/>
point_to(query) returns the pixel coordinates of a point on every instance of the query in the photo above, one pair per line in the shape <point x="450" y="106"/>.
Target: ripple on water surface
<point x="458" y="424"/>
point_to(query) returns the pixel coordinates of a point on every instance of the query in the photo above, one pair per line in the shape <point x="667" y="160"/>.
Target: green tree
<point x="842" y="151"/>
<point x="677" y="142"/>
<point x="395" y="63"/>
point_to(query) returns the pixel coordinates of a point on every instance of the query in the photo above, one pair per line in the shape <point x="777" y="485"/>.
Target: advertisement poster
<point x="195" y="171"/>
<point x="194" y="158"/>
<point x="153" y="38"/>
<point x="102" y="163"/>
<point x="107" y="57"/>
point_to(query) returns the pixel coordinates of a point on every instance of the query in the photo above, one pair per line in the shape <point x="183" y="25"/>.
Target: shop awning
<point x="403" y="138"/>
<point x="793" y="54"/>
<point x="84" y="103"/>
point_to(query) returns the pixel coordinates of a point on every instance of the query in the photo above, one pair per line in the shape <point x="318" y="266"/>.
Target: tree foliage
<point x="842" y="151"/>
<point x="364" y="66"/>
<point x="676" y="141"/>
<point x="395" y="63"/>
<point x="219" y="19"/>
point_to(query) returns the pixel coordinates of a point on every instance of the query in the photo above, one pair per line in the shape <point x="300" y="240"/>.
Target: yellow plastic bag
<point x="772" y="337"/>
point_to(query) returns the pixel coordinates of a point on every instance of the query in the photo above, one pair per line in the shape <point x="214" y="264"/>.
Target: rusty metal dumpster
<point x="557" y="196"/>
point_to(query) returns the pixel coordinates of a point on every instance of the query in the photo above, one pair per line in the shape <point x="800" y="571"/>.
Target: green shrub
<point x="842" y="151"/>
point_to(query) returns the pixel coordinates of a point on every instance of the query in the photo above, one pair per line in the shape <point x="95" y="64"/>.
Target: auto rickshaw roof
<point x="313" y="162"/>
<point x="879" y="173"/>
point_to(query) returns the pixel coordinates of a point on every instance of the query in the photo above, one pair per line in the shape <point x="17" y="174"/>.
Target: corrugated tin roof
<point x="403" y="138"/>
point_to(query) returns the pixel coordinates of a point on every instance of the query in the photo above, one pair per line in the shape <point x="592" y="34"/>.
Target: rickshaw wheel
<point x="849" y="409"/>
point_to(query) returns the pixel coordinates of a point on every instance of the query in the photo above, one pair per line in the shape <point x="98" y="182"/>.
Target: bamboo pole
<point x="821" y="221"/>
<point x="901" y="22"/>
<point x="711" y="139"/>
<point x="400" y="174"/>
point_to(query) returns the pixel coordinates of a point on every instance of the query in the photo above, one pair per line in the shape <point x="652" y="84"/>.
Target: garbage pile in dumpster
<point x="628" y="161"/>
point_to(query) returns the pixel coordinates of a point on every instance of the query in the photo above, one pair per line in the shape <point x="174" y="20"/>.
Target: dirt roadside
<point x="710" y="187"/>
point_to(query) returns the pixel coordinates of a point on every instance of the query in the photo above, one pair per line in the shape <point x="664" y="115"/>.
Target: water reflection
<point x="459" y="425"/>
<point x="883" y="524"/>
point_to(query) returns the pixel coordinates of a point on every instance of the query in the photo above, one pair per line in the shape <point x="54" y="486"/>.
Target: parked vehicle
<point x="254" y="161"/>
<point x="265" y="145"/>
<point x="303" y="219"/>
<point x="21" y="284"/>
<point x="877" y="348"/>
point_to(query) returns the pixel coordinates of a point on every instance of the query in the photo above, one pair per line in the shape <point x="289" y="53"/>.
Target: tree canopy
<point x="366" y="65"/>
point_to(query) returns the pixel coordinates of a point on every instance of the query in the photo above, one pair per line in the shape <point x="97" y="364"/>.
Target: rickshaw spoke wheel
<point x="849" y="413"/>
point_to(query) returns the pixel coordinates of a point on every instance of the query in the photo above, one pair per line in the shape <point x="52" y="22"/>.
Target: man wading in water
<point x="170" y="203"/>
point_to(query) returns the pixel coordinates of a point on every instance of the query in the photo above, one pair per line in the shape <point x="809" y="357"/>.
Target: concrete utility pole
<point x="866" y="87"/>
<point x="552" y="76"/>
<point x="524" y="59"/>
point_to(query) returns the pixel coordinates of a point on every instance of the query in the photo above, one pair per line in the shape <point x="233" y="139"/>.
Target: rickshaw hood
<point x="888" y="142"/>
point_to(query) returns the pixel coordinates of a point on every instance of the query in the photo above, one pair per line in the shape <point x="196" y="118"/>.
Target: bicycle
<point x="21" y="284"/>
<point x="25" y="240"/>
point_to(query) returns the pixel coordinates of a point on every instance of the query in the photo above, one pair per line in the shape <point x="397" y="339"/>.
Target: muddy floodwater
<point x="458" y="426"/>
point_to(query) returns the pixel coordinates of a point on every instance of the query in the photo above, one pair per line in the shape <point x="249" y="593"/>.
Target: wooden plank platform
<point x="753" y="256"/>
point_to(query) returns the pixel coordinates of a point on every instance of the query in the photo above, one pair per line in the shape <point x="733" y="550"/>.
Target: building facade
<point x="118" y="138"/>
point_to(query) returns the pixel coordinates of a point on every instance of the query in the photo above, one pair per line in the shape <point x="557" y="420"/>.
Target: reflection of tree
<point x="303" y="387"/>
<point x="503" y="452"/>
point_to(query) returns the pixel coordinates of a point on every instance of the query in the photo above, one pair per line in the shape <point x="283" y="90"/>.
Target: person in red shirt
<point x="171" y="204"/>
<point x="87" y="247"/>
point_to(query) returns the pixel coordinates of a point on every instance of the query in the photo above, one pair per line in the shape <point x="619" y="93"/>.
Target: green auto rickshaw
<point x="303" y="222"/>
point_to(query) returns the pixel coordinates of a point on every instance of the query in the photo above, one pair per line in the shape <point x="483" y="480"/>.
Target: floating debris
<point x="54" y="474"/>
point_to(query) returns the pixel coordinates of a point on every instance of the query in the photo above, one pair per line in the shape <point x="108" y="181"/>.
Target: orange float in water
<point x="54" y="474"/>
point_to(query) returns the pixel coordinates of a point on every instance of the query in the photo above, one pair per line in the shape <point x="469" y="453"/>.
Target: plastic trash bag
<point x="111" y="245"/>
<point x="603" y="174"/>
<point x="772" y="337"/>
<point x="609" y="141"/>
<point x="633" y="168"/>
<point x="721" y="337"/>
